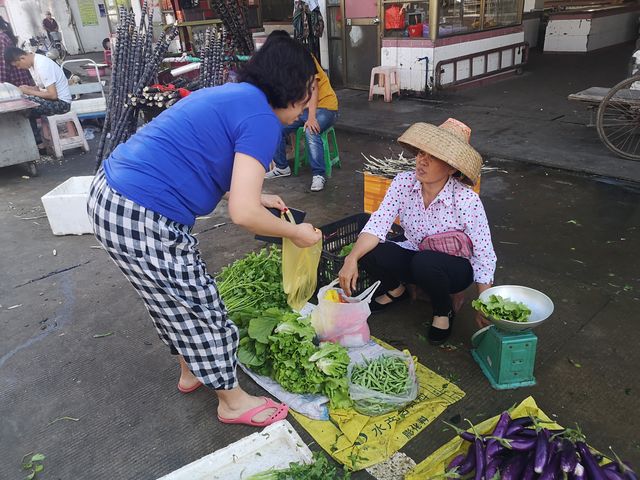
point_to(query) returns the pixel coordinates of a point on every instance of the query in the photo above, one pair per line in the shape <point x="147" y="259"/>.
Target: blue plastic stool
<point x="331" y="155"/>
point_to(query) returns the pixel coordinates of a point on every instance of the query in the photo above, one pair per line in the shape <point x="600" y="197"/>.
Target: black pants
<point x="437" y="274"/>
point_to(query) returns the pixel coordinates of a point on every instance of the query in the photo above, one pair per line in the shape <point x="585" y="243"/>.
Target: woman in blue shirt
<point x="216" y="143"/>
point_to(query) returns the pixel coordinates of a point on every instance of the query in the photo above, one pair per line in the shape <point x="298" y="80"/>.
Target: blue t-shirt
<point x="180" y="164"/>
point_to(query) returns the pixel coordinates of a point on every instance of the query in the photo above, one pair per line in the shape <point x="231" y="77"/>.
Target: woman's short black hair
<point x="283" y="70"/>
<point x="13" y="54"/>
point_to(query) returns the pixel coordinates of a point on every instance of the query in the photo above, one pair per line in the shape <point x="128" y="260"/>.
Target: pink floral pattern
<point x="456" y="207"/>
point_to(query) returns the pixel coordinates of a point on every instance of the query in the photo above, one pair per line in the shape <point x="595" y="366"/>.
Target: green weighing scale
<point x="506" y="350"/>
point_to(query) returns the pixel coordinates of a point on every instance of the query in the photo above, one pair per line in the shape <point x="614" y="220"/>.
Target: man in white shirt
<point x="52" y="88"/>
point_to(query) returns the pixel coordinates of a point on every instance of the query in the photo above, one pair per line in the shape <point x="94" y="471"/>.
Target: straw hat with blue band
<point x="448" y="142"/>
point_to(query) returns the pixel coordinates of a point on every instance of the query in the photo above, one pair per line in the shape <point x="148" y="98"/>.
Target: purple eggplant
<point x="469" y="462"/>
<point x="621" y="467"/>
<point x="552" y="470"/>
<point x="514" y="467"/>
<point x="468" y="436"/>
<point x="518" y="424"/>
<point x="542" y="451"/>
<point x="493" y="447"/>
<point x="492" y="467"/>
<point x="520" y="444"/>
<point x="578" y="473"/>
<point x="611" y="474"/>
<point x="591" y="467"/>
<point x="456" y="462"/>
<point x="568" y="457"/>
<point x="478" y="447"/>
<point x="529" y="473"/>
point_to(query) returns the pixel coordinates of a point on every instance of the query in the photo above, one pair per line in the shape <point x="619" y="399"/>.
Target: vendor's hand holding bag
<point x="454" y="243"/>
<point x="299" y="270"/>
<point x="343" y="321"/>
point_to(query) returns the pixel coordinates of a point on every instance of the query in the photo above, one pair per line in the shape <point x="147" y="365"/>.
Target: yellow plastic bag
<point x="299" y="270"/>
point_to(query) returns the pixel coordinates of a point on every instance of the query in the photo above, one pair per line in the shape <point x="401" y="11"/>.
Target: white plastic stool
<point x="388" y="82"/>
<point x="74" y="137"/>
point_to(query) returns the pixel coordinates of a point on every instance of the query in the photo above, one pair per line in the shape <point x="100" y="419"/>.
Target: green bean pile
<point x="388" y="375"/>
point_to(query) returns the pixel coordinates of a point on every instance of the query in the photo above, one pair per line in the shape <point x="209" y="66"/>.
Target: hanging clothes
<point x="308" y="24"/>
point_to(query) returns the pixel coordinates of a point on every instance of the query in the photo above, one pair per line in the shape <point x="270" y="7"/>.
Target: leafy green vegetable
<point x="502" y="309"/>
<point x="346" y="250"/>
<point x="254" y="281"/>
<point x="279" y="344"/>
<point x="320" y="469"/>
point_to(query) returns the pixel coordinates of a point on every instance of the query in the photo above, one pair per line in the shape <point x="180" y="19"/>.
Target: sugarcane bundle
<point x="135" y="65"/>
<point x="388" y="167"/>
<point x="234" y="19"/>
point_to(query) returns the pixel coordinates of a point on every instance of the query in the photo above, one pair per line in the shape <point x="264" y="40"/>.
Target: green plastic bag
<point x="299" y="270"/>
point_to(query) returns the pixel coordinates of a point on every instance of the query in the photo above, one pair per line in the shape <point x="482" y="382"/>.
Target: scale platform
<point x="506" y="351"/>
<point x="506" y="358"/>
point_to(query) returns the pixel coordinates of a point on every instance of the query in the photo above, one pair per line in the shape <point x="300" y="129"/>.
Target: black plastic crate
<point x="339" y="234"/>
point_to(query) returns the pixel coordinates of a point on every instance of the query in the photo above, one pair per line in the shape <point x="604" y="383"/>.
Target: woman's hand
<point x="348" y="275"/>
<point x="272" y="201"/>
<point x="481" y="320"/>
<point x="306" y="235"/>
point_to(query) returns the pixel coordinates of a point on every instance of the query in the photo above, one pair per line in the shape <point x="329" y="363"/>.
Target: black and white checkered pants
<point x="161" y="259"/>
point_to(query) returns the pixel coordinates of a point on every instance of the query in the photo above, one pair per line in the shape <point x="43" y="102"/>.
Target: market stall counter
<point x="14" y="124"/>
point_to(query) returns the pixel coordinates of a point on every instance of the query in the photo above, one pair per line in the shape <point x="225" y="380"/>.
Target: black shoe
<point x="437" y="336"/>
<point x="378" y="307"/>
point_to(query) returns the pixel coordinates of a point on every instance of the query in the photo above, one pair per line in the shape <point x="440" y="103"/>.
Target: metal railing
<point x="514" y="49"/>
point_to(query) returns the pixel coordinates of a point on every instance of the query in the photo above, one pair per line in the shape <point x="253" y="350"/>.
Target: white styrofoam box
<point x="273" y="448"/>
<point x="66" y="207"/>
<point x="89" y="105"/>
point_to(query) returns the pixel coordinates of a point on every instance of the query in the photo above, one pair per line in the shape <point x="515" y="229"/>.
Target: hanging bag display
<point x="299" y="269"/>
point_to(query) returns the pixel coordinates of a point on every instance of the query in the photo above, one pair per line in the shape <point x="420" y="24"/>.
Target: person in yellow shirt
<point x="320" y="114"/>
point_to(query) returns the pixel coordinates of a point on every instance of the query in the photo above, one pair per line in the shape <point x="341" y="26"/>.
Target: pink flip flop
<point x="246" y="418"/>
<point x="190" y="389"/>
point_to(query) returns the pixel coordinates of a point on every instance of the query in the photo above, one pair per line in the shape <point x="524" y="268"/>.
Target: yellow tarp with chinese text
<point x="359" y="441"/>
<point x="434" y="465"/>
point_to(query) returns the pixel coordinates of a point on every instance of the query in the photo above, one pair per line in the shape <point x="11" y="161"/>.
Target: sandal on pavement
<point x="190" y="389"/>
<point x="378" y="307"/>
<point x="246" y="418"/>
<point x="437" y="336"/>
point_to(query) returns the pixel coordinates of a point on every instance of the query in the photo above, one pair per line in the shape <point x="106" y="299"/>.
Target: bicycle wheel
<point x="618" y="119"/>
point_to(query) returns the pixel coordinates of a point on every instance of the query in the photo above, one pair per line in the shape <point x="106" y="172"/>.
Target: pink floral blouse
<point x="456" y="207"/>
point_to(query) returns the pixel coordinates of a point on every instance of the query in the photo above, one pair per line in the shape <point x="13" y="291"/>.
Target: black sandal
<point x="378" y="307"/>
<point x="437" y="336"/>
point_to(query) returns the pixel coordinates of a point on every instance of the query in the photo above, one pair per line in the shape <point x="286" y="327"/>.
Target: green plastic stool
<point x="331" y="156"/>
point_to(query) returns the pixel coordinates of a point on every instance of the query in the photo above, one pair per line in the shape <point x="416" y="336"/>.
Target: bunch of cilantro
<point x="502" y="309"/>
<point x="318" y="470"/>
<point x="254" y="281"/>
<point x="280" y="344"/>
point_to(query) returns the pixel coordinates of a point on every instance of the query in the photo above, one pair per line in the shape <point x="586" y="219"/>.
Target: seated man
<point x="319" y="115"/>
<point x="52" y="89"/>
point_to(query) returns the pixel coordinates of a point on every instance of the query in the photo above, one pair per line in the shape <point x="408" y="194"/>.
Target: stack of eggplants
<point x="522" y="449"/>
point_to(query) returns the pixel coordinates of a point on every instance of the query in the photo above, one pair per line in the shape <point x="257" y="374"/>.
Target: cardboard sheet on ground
<point x="359" y="441"/>
<point x="434" y="465"/>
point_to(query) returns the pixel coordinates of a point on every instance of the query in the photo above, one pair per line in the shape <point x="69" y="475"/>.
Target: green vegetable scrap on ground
<point x="254" y="281"/>
<point x="346" y="250"/>
<point x="502" y="308"/>
<point x="320" y="469"/>
<point x="279" y="344"/>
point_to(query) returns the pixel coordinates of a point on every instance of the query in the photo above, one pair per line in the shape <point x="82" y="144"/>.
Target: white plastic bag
<point x="343" y="323"/>
<point x="368" y="401"/>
